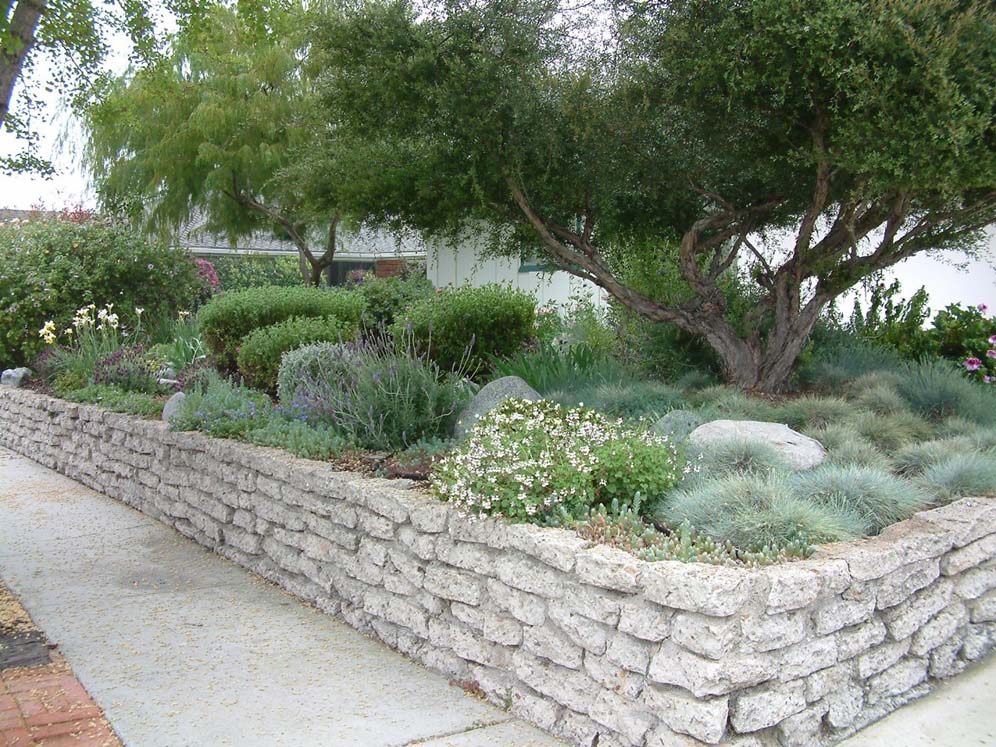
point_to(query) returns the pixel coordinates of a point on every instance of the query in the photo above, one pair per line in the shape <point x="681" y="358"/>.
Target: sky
<point x="60" y="140"/>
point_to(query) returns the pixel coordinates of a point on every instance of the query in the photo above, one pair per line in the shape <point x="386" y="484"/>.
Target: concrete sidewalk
<point x="184" y="649"/>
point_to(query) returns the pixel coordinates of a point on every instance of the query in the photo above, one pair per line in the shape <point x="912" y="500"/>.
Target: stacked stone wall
<point x="578" y="639"/>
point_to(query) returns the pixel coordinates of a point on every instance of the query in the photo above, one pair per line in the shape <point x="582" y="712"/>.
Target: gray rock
<point x="677" y="425"/>
<point x="172" y="406"/>
<point x="490" y="396"/>
<point x="15" y="376"/>
<point x="802" y="452"/>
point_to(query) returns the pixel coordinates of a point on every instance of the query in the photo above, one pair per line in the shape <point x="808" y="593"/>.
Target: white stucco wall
<point x="448" y="264"/>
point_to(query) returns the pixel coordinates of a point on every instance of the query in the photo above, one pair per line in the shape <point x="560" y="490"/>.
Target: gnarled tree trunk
<point x="18" y="39"/>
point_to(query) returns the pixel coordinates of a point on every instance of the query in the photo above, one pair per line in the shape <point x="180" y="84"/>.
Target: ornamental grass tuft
<point x="960" y="476"/>
<point x="874" y="495"/>
<point x="752" y="512"/>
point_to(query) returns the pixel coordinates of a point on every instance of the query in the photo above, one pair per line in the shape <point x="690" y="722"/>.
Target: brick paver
<point x="47" y="706"/>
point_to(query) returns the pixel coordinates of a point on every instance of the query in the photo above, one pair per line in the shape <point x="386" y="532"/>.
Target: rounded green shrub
<point x="755" y="512"/>
<point x="462" y="328"/>
<point x="389" y="298"/>
<point x="260" y="353"/>
<point x="255" y="270"/>
<point x="229" y="317"/>
<point x="319" y="361"/>
<point x="960" y="476"/>
<point x="51" y="268"/>
<point x="874" y="495"/>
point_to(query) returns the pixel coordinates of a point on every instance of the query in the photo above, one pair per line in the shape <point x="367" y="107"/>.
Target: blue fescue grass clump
<point x="630" y="401"/>
<point x="960" y="476"/>
<point x="915" y="459"/>
<point x="740" y="457"/>
<point x="891" y="432"/>
<point x="815" y="412"/>
<point x="874" y="495"/>
<point x="881" y="399"/>
<point x="752" y="512"/>
<point x="937" y="389"/>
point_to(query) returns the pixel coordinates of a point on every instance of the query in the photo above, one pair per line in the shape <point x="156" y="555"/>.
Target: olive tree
<point x="806" y="145"/>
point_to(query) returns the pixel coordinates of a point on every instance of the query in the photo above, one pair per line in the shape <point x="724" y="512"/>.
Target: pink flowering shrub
<point x="209" y="276"/>
<point x="968" y="335"/>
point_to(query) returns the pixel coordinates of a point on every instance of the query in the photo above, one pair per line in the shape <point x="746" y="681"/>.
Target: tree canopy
<point x="73" y="37"/>
<point x="807" y="144"/>
<point x="216" y="127"/>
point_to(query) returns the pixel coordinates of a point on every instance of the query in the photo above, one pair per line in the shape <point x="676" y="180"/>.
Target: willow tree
<point x="806" y="145"/>
<point x="60" y="46"/>
<point x="214" y="128"/>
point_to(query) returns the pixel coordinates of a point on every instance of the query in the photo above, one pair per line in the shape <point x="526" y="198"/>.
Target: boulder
<point x="15" y="376"/>
<point x="676" y="425"/>
<point x="802" y="452"/>
<point x="490" y="396"/>
<point x="172" y="406"/>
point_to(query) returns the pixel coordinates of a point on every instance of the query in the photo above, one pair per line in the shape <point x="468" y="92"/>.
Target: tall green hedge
<point x="50" y="268"/>
<point x="229" y="317"/>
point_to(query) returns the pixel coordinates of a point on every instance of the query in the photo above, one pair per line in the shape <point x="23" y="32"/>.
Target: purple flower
<point x="992" y="340"/>
<point x="991" y="354"/>
<point x="989" y="379"/>
<point x="982" y="307"/>
<point x="973" y="364"/>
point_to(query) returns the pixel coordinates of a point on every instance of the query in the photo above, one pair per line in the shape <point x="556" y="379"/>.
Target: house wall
<point x="458" y="264"/>
<point x="584" y="640"/>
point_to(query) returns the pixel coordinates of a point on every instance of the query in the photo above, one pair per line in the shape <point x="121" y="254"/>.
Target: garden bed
<point x="576" y="638"/>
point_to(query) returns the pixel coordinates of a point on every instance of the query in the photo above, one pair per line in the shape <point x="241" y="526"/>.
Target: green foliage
<point x="381" y="394"/>
<point x="389" y="298"/>
<point x="117" y="400"/>
<point x="754" y="512"/>
<point x="959" y="332"/>
<point x="961" y="475"/>
<point x="306" y="440"/>
<point x="466" y="327"/>
<point x="227" y="318"/>
<point x="737" y="457"/>
<point x="874" y="495"/>
<point x="861" y="453"/>
<point x="257" y="270"/>
<point x="622" y="526"/>
<point x="553" y="368"/>
<point x="179" y="342"/>
<point x="50" y="268"/>
<point x="260" y="351"/>
<point x="893" y="323"/>
<point x="527" y="461"/>
<point x="222" y="409"/>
